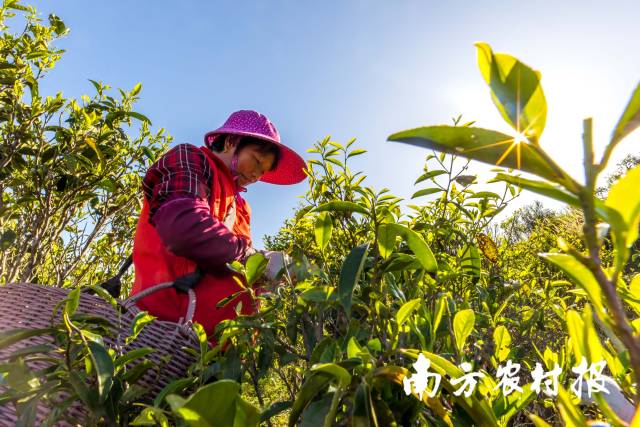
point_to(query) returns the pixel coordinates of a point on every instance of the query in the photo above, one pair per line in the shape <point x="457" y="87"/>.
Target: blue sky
<point x="350" y="68"/>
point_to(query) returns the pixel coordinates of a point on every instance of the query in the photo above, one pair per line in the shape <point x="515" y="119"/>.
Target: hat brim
<point x="291" y="165"/>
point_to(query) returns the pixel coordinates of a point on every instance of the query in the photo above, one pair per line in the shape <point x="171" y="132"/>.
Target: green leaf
<point x="92" y="143"/>
<point x="341" y="206"/>
<point x="570" y="413"/>
<point x="429" y="175"/>
<point x="254" y="267"/>
<point x="416" y="244"/>
<point x="14" y="335"/>
<point x="353" y="348"/>
<point x="471" y="261"/>
<point x="136" y="89"/>
<point x="72" y="301"/>
<point x="581" y="276"/>
<point x="323" y="229"/>
<point x="141" y="320"/>
<point x="386" y="241"/>
<point x="103" y="365"/>
<point x="246" y="414"/>
<point x="630" y="118"/>
<point x="502" y="341"/>
<point x="136" y="115"/>
<point x="214" y="404"/>
<point x="547" y="189"/>
<point x="7" y="238"/>
<point x="318" y="294"/>
<point x="463" y="323"/>
<point x="488" y="146"/>
<point x="132" y="355"/>
<point x="437" y="317"/>
<point x="628" y="208"/>
<point x="314" y="384"/>
<point x="426" y="192"/>
<point x="356" y="152"/>
<point x="407" y="310"/>
<point x="350" y="273"/>
<point x="336" y="371"/>
<point x="515" y="90"/>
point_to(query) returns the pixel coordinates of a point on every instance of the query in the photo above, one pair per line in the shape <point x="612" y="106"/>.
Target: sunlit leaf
<point x="502" y="340"/>
<point x="322" y="230"/>
<point x="515" y="90"/>
<point x="336" y="371"/>
<point x="628" y="208"/>
<point x="341" y="206"/>
<point x="407" y="310"/>
<point x="463" y="323"/>
<point x="630" y="118"/>
<point x="488" y="146"/>
<point x="254" y="267"/>
<point x="416" y="243"/>
<point x="580" y="275"/>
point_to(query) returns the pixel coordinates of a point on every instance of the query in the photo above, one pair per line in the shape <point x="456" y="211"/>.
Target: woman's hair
<point x="262" y="146"/>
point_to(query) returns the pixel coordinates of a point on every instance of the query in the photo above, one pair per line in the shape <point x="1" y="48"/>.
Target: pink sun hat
<point x="290" y="169"/>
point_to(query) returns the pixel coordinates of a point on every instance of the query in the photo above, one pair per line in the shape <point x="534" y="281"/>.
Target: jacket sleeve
<point x="177" y="188"/>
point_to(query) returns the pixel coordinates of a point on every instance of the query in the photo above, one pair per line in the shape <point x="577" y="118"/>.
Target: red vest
<point x="155" y="264"/>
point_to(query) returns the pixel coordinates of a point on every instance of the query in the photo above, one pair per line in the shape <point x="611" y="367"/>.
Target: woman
<point x="193" y="216"/>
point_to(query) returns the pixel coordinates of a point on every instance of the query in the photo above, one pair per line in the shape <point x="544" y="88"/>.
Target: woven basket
<point x="27" y="305"/>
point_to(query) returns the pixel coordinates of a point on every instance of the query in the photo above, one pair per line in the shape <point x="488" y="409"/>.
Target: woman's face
<point x="252" y="164"/>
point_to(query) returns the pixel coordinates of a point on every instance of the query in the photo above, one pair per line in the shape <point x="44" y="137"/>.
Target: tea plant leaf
<point x="628" y="208"/>
<point x="581" y="276"/>
<point x="426" y="192"/>
<point x="484" y="145"/>
<point x="349" y="275"/>
<point x="470" y="261"/>
<point x="341" y="206"/>
<point x="463" y="323"/>
<point x="131" y="356"/>
<point x="336" y="371"/>
<point x="141" y="320"/>
<point x="630" y="118"/>
<point x="515" y="90"/>
<point x="547" y="189"/>
<point x="353" y="348"/>
<point x="571" y="414"/>
<point x="72" y="302"/>
<point x="314" y="384"/>
<point x="407" y="310"/>
<point x="103" y="365"/>
<point x="416" y="244"/>
<point x="254" y="267"/>
<point x="575" y="327"/>
<point x="14" y="335"/>
<point x="214" y="404"/>
<point x="322" y="230"/>
<point x="429" y="175"/>
<point x="386" y="241"/>
<point x="441" y="305"/>
<point x="502" y="340"/>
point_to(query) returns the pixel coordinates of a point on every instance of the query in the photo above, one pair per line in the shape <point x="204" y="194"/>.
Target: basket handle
<point x="185" y="283"/>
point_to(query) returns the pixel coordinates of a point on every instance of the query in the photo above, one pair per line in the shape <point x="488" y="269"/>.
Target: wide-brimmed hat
<point x="290" y="169"/>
